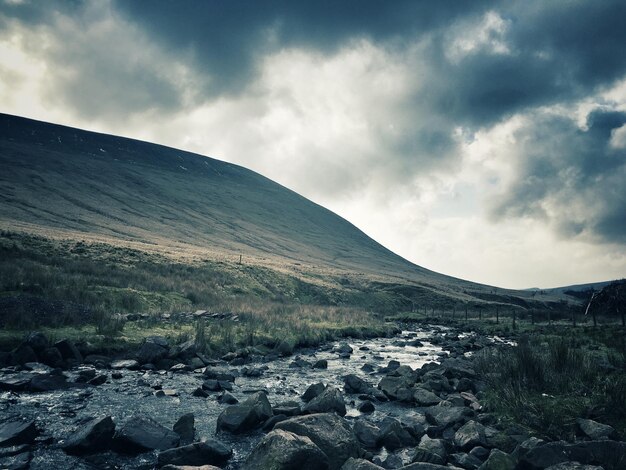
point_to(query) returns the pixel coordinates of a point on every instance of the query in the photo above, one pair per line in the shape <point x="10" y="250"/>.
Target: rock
<point x="68" y="350"/>
<point x="15" y="383"/>
<point x="425" y="397"/>
<point x="427" y="466"/>
<point x="150" y="353"/>
<point x="359" y="464"/>
<point x="129" y="364"/>
<point x="14" y="450"/>
<point x="329" y="400"/>
<point x="397" y="388"/>
<point x="17" y="432"/>
<point x="329" y="432"/>
<point x="219" y="374"/>
<point x="37" y="341"/>
<point x="98" y="380"/>
<point x="393" y="435"/>
<point x="573" y="466"/>
<point x="609" y="454"/>
<point x="312" y="391"/>
<point x="159" y="341"/>
<point x="436" y="382"/>
<point x="535" y="454"/>
<point x="23" y="354"/>
<point x="189" y="467"/>
<point x="212" y="452"/>
<point x="284" y="450"/>
<point x="200" y="393"/>
<point x="51" y="357"/>
<point x="321" y="364"/>
<point x="446" y="415"/>
<point x="498" y="460"/>
<point x="227" y="398"/>
<point x="284" y="348"/>
<point x="354" y="384"/>
<point x="143" y="434"/>
<point x="16" y="462"/>
<point x="94" y="436"/>
<point x="466" y="461"/>
<point x="427" y="456"/>
<point x="184" y="351"/>
<point x="367" y="434"/>
<point x="471" y="434"/>
<point x="594" y="430"/>
<point x="343" y="348"/>
<point x="481" y="453"/>
<point x="242" y="418"/>
<point x="48" y="382"/>
<point x="435" y="446"/>
<point x="366" y="407"/>
<point x="98" y="360"/>
<point x="184" y="427"/>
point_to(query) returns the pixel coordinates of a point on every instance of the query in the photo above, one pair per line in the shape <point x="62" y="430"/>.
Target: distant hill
<point x="67" y="183"/>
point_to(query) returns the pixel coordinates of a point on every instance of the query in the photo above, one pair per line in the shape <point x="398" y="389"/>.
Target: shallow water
<point x="59" y="413"/>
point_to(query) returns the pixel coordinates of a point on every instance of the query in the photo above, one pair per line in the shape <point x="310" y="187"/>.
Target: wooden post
<point x="514" y="314"/>
<point x="240" y="258"/>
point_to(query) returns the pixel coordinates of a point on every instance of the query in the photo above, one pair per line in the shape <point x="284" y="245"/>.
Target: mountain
<point x="67" y="183"/>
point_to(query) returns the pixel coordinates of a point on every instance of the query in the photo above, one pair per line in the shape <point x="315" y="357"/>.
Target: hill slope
<point x="69" y="183"/>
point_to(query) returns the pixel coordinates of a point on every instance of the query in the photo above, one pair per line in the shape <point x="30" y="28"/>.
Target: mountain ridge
<point x="83" y="183"/>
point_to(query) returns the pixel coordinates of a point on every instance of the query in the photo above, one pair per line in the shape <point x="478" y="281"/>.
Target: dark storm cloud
<point x="573" y="178"/>
<point x="227" y="37"/>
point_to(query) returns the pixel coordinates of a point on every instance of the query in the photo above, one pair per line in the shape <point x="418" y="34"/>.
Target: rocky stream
<point x="412" y="401"/>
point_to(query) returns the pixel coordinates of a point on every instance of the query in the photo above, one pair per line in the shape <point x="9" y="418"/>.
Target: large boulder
<point x="470" y="435"/>
<point x="423" y="397"/>
<point x="48" y="383"/>
<point x="284" y="450"/>
<point x="185" y="428"/>
<point x="355" y="384"/>
<point x="367" y="434"/>
<point x="94" y="436"/>
<point x="498" y="460"/>
<point x="312" y="391"/>
<point x="359" y="464"/>
<point x="329" y="432"/>
<point x="37" y="341"/>
<point x="594" y="430"/>
<point x="23" y="354"/>
<point x="143" y="434"/>
<point x="15" y="433"/>
<point x="394" y="436"/>
<point x="69" y="351"/>
<point x="447" y="415"/>
<point x="151" y="352"/>
<point x="211" y="452"/>
<point x="397" y="388"/>
<point x="329" y="400"/>
<point x="248" y="415"/>
<point x="428" y="446"/>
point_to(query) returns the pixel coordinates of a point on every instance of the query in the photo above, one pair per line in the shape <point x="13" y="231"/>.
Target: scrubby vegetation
<point x="548" y="380"/>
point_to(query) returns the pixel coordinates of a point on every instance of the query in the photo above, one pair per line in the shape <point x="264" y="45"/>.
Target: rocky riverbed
<point x="412" y="401"/>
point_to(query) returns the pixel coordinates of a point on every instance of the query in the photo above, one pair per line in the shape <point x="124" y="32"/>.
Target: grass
<point x="546" y="381"/>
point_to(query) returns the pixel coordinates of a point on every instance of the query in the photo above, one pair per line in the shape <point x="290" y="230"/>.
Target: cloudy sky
<point x="481" y="139"/>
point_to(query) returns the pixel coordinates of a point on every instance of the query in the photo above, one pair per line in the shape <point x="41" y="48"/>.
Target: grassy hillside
<point x="128" y="225"/>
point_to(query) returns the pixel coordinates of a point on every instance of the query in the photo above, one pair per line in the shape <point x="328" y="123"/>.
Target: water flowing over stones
<point x="356" y="404"/>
